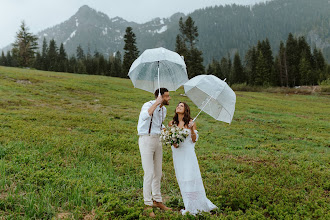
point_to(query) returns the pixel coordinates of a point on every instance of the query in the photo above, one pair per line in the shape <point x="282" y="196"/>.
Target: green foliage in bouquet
<point x="173" y="135"/>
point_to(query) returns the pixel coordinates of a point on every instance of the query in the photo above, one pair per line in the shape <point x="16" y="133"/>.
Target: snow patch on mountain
<point x="161" y="30"/>
<point x="105" y="31"/>
<point x="71" y="36"/>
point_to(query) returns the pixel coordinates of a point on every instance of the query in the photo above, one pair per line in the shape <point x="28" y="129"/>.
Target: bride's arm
<point x="193" y="133"/>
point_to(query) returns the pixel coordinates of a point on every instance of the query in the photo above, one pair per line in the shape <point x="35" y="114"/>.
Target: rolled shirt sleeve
<point x="144" y="124"/>
<point x="144" y="111"/>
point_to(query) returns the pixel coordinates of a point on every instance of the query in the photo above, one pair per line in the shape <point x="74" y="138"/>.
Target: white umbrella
<point x="213" y="96"/>
<point x="156" y="68"/>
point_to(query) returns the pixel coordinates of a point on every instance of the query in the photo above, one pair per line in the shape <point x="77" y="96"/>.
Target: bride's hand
<point x="191" y="124"/>
<point x="175" y="145"/>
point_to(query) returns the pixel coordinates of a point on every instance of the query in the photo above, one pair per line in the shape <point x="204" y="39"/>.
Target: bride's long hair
<point x="186" y="115"/>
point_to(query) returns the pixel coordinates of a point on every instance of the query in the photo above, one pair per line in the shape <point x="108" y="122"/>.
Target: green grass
<point x="68" y="149"/>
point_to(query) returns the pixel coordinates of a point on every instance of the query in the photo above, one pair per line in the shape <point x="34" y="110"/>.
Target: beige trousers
<point x="151" y="156"/>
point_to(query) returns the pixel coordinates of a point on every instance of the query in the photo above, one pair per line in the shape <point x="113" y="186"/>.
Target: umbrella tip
<point x="225" y="79"/>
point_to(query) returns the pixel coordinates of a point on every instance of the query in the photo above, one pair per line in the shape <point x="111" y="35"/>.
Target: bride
<point x="186" y="165"/>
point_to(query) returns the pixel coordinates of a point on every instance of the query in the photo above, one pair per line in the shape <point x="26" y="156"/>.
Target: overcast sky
<point x="41" y="14"/>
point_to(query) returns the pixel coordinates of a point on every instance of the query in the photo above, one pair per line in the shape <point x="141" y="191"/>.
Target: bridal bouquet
<point x="173" y="135"/>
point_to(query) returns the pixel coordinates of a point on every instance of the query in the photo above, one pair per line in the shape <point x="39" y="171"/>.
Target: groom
<point x="149" y="128"/>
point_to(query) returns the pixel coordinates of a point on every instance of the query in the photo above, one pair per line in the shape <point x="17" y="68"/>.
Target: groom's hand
<point x="159" y="100"/>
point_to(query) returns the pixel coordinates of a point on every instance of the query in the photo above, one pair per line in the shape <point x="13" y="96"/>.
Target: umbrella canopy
<point x="213" y="96"/>
<point x="156" y="68"/>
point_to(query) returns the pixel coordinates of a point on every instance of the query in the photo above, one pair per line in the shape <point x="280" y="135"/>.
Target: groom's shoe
<point x="150" y="211"/>
<point x="161" y="206"/>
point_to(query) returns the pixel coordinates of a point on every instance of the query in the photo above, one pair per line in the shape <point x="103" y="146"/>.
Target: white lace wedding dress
<point x="189" y="178"/>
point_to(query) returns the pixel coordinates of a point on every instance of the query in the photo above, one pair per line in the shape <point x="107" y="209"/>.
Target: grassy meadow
<point x="68" y="150"/>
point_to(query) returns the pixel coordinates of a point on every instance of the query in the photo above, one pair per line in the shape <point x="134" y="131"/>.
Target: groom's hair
<point x="162" y="91"/>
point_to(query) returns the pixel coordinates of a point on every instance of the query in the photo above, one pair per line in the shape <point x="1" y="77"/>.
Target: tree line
<point x="295" y="64"/>
<point x="227" y="28"/>
<point x="54" y="58"/>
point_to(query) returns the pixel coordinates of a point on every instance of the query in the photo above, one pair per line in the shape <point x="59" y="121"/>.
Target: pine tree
<point x="44" y="55"/>
<point x="238" y="75"/>
<point x="25" y="46"/>
<point x="282" y="67"/>
<point x="270" y="79"/>
<point x="218" y="70"/>
<point x="305" y="70"/>
<point x="102" y="65"/>
<point x="38" y="61"/>
<point x="264" y="48"/>
<point x="52" y="56"/>
<point x="225" y="68"/>
<point x="62" y="59"/>
<point x="131" y="51"/>
<point x="210" y="70"/>
<point x="189" y="32"/>
<point x="72" y="64"/>
<point x="96" y="62"/>
<point x="80" y="53"/>
<point x="109" y="66"/>
<point x="250" y="65"/>
<point x="81" y="68"/>
<point x="305" y="56"/>
<point x="320" y="66"/>
<point x="292" y="58"/>
<point x="196" y="62"/>
<point x="10" y="60"/>
<point x="117" y="66"/>
<point x="214" y="68"/>
<point x="186" y="46"/>
<point x="230" y="69"/>
<point x="305" y="49"/>
<point x="261" y="70"/>
<point x="3" y="59"/>
<point x="180" y="46"/>
<point x="89" y="62"/>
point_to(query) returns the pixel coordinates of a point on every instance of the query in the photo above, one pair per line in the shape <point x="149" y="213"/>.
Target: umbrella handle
<point x="158" y="81"/>
<point x="202" y="109"/>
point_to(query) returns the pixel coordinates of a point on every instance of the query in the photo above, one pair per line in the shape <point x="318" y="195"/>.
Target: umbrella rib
<point x="226" y="111"/>
<point x="169" y="70"/>
<point x="142" y="75"/>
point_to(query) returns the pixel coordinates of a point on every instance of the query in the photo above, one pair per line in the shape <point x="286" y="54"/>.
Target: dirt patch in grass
<point x="249" y="160"/>
<point x="245" y="159"/>
<point x="90" y="216"/>
<point x="3" y="195"/>
<point x="64" y="215"/>
<point x="28" y="81"/>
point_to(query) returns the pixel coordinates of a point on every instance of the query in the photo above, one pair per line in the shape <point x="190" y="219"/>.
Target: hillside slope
<point x="68" y="148"/>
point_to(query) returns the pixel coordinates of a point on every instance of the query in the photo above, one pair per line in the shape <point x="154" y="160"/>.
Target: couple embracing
<point x="186" y="167"/>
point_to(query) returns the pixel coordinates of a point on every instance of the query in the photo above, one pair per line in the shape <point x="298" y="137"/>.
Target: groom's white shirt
<point x="157" y="119"/>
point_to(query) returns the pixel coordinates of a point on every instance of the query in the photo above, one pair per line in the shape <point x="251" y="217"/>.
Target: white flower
<point x="173" y="135"/>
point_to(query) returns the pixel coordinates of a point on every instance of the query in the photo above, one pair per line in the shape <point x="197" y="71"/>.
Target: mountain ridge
<point x="222" y="29"/>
